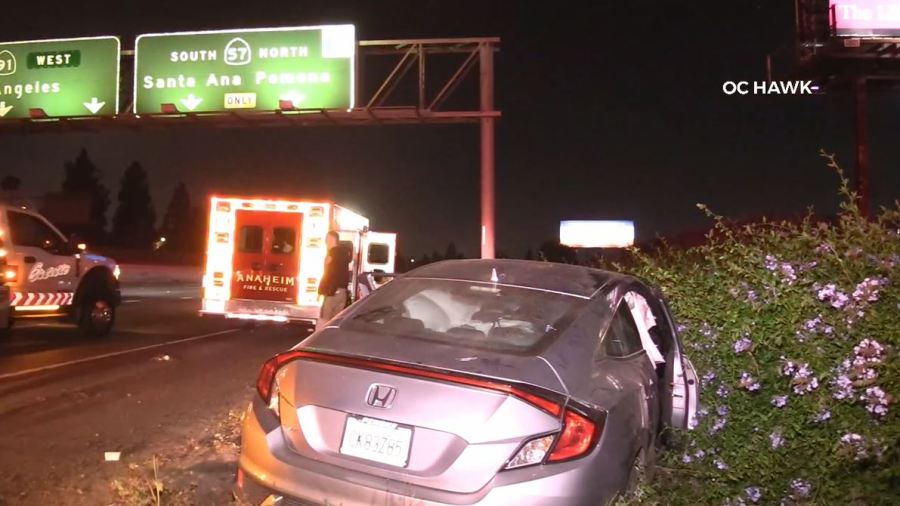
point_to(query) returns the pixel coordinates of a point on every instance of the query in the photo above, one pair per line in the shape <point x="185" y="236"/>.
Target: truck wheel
<point x="96" y="316"/>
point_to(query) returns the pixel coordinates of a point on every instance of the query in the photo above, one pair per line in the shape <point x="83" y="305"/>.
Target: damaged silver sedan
<point x="489" y="382"/>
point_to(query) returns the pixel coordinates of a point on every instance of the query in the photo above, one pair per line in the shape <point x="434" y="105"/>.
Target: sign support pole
<point x="862" y="147"/>
<point x="486" y="56"/>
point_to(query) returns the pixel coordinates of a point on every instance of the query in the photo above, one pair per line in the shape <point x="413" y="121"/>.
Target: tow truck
<point x="265" y="257"/>
<point x="47" y="275"/>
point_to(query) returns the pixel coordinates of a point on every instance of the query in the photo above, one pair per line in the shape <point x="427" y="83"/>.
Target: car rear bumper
<point x="269" y="471"/>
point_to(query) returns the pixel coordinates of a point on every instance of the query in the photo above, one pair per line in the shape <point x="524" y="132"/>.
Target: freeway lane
<point x="163" y="379"/>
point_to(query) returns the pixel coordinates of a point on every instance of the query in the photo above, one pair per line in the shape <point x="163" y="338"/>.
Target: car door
<point x="680" y="392"/>
<point x="622" y="343"/>
<point x="46" y="271"/>
<point x="266" y="255"/>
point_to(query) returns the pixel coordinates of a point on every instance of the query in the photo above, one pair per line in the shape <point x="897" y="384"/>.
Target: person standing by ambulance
<point x="336" y="279"/>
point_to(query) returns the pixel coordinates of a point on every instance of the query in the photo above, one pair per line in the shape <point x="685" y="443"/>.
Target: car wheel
<point x="96" y="315"/>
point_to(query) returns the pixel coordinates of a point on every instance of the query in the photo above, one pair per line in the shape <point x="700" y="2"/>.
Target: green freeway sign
<point x="62" y="77"/>
<point x="235" y="70"/>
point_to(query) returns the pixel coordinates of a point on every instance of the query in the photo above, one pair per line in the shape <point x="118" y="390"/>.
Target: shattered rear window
<point x="480" y="315"/>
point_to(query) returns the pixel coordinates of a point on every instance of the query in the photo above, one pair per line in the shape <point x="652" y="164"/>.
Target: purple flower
<point x="829" y="293"/>
<point x="855" y="444"/>
<point x="788" y="273"/>
<point x="748" y="383"/>
<point x="839" y="300"/>
<point x="708" y="378"/>
<point x="826" y="292"/>
<point x="776" y="439"/>
<point x="869" y="350"/>
<point x="823" y="416"/>
<point x="723" y="391"/>
<point x="753" y="493"/>
<point x="771" y="263"/>
<point x="876" y="401"/>
<point x="867" y="290"/>
<point x="743" y="344"/>
<point x="722" y="411"/>
<point x="813" y="324"/>
<point x="720" y="464"/>
<point x="843" y="387"/>
<point x="800" y="489"/>
<point x="719" y="425"/>
<point x="824" y="248"/>
<point x="751" y="295"/>
<point x="686" y="458"/>
<point x="789" y="368"/>
<point x="780" y="401"/>
<point x="804" y="381"/>
<point x="699" y="454"/>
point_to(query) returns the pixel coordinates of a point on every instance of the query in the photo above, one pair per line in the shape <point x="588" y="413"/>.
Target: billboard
<point x="865" y="18"/>
<point x="59" y="78"/>
<point x="596" y="233"/>
<point x="265" y="69"/>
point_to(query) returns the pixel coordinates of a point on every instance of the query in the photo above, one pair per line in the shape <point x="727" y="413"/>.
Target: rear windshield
<point x="478" y="315"/>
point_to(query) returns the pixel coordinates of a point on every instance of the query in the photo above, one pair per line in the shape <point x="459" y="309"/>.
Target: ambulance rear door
<point x="266" y="259"/>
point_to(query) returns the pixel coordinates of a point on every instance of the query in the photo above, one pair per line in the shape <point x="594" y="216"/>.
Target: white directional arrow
<point x="191" y="102"/>
<point x="4" y="109"/>
<point x="94" y="106"/>
<point x="294" y="98"/>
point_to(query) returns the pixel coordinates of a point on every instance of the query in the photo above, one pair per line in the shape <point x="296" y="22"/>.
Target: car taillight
<point x="267" y="386"/>
<point x="11" y="273"/>
<point x="576" y="439"/>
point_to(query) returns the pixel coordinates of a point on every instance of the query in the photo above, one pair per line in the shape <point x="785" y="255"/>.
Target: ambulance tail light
<point x="11" y="273"/>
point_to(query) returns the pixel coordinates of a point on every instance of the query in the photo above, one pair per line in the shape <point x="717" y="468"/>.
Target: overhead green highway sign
<point x="239" y="70"/>
<point x="59" y="78"/>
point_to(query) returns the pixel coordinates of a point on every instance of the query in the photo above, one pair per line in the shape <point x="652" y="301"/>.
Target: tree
<point x="10" y="184"/>
<point x="178" y="223"/>
<point x="133" y="223"/>
<point x="553" y="251"/>
<point x="452" y="253"/>
<point x="83" y="178"/>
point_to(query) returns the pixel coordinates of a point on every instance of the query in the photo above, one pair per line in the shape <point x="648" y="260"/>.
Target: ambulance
<point x="265" y="257"/>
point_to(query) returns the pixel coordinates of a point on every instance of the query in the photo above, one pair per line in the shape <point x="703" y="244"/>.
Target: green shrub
<point x="793" y="328"/>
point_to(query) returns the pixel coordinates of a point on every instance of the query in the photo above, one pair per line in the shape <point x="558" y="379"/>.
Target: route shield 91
<point x="59" y="78"/>
<point x="238" y="70"/>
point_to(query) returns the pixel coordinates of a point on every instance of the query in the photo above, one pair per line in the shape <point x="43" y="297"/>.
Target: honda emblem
<point x="381" y="396"/>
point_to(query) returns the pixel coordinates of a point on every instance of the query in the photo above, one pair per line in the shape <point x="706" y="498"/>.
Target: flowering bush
<point x="794" y="330"/>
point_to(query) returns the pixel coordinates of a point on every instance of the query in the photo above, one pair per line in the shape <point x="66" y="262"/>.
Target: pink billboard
<point x="866" y="18"/>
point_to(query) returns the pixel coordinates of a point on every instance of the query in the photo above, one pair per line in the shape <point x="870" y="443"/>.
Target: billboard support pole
<point x="862" y="147"/>
<point x="486" y="57"/>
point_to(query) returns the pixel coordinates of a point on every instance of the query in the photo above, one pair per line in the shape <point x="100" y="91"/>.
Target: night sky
<point x="610" y="111"/>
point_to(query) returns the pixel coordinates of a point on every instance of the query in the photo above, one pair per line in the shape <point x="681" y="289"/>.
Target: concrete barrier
<point x="145" y="274"/>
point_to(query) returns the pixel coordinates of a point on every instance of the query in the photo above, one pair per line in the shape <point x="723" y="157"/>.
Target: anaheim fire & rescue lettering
<point x="265" y="282"/>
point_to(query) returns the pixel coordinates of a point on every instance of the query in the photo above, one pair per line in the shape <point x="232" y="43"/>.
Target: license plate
<point x="377" y="440"/>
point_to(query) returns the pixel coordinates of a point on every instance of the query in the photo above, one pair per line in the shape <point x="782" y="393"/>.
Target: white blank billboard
<point x="596" y="233"/>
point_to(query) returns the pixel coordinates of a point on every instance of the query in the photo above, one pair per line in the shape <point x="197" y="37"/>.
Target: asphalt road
<point x="153" y="383"/>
